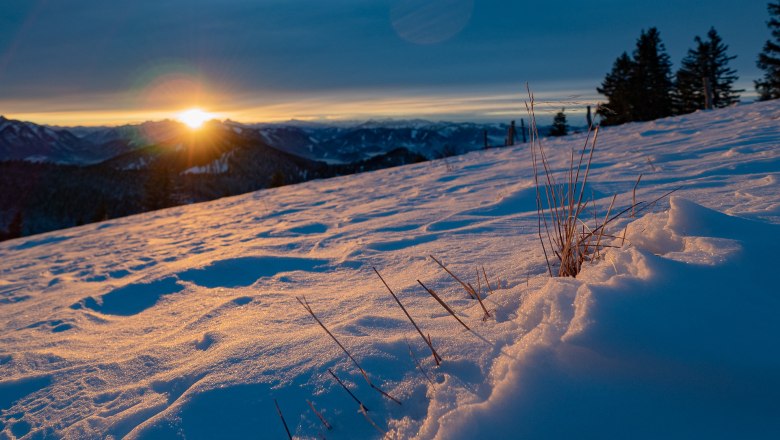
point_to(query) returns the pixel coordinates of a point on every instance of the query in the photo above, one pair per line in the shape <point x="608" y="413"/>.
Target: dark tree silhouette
<point x="617" y="88"/>
<point x="652" y="78"/>
<point x="708" y="60"/>
<point x="769" y="59"/>
<point x="158" y="188"/>
<point x="277" y="180"/>
<point x="639" y="88"/>
<point x="559" y="125"/>
<point x="101" y="212"/>
<point x="16" y="227"/>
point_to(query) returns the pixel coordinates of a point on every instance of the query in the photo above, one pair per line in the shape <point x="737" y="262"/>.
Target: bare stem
<point x="319" y="415"/>
<point x="443" y="304"/>
<point x="436" y="356"/>
<point x="279" y="411"/>
<point x="469" y="289"/>
<point x="305" y="305"/>
<point x="347" y="390"/>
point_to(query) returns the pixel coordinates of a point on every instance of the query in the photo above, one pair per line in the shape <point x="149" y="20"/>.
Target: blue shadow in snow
<point x="242" y="272"/>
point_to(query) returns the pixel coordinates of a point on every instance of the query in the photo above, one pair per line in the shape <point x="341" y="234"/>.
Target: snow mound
<point x="643" y="345"/>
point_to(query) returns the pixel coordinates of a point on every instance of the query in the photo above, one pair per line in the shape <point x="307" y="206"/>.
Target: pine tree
<point x="277" y="179"/>
<point x="708" y="60"/>
<point x="769" y="60"/>
<point x="617" y="88"/>
<point x="652" y="78"/>
<point x="101" y="212"/>
<point x="639" y="88"/>
<point x="15" y="229"/>
<point x="158" y="188"/>
<point x="559" y="125"/>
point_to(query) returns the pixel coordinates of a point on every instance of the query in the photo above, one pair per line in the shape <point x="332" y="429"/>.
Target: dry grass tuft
<point x="561" y="203"/>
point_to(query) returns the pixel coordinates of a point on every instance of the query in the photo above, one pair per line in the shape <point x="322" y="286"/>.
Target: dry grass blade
<point x="319" y="415"/>
<point x="416" y="362"/>
<point x="279" y="411"/>
<point x="650" y="162"/>
<point x="479" y="282"/>
<point x="597" y="248"/>
<point x="362" y="407"/>
<point x="487" y="283"/>
<point x="469" y="289"/>
<point x="443" y="304"/>
<point x="379" y="430"/>
<point x="479" y="297"/>
<point x="306" y="306"/>
<point x="633" y="195"/>
<point x="436" y="356"/>
<point x="651" y="204"/>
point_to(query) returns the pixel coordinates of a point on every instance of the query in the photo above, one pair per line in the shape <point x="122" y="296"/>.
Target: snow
<point x="217" y="166"/>
<point x="184" y="322"/>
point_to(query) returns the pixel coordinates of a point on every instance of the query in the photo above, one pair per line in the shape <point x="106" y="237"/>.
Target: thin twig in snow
<point x="278" y="410"/>
<point x="428" y="342"/>
<point x="443" y="304"/>
<point x="469" y="290"/>
<point x="416" y="362"/>
<point x="347" y="389"/>
<point x="319" y="415"/>
<point x="306" y="305"/>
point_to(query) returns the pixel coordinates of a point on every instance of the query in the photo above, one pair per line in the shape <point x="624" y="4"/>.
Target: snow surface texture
<point x="184" y="322"/>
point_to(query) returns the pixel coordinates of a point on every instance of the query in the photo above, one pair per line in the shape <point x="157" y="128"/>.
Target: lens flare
<point x="194" y="117"/>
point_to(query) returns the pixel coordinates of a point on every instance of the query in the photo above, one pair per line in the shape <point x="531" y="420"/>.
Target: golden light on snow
<point x="194" y="117"/>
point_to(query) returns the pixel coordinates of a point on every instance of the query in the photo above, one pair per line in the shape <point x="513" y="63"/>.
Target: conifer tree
<point x="769" y="60"/>
<point x="15" y="229"/>
<point x="708" y="60"/>
<point x="617" y="88"/>
<point x="559" y="125"/>
<point x="158" y="188"/>
<point x="639" y="88"/>
<point x="652" y="78"/>
<point x="101" y="212"/>
<point x="277" y="179"/>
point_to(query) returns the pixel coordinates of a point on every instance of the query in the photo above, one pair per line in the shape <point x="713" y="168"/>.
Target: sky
<point x="93" y="62"/>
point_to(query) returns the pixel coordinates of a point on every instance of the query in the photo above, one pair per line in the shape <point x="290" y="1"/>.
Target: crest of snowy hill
<point x="184" y="322"/>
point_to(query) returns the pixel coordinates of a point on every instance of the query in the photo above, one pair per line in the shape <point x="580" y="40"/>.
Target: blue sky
<point x="108" y="61"/>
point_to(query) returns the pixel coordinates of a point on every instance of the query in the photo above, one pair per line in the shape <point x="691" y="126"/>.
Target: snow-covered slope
<point x="185" y="323"/>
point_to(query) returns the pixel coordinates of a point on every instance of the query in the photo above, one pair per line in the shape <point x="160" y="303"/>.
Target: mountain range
<point x="336" y="143"/>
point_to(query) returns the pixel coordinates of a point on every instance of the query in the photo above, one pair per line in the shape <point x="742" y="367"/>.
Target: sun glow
<point x="194" y="117"/>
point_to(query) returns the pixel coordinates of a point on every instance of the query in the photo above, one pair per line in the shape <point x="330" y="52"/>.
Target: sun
<point x="194" y="117"/>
